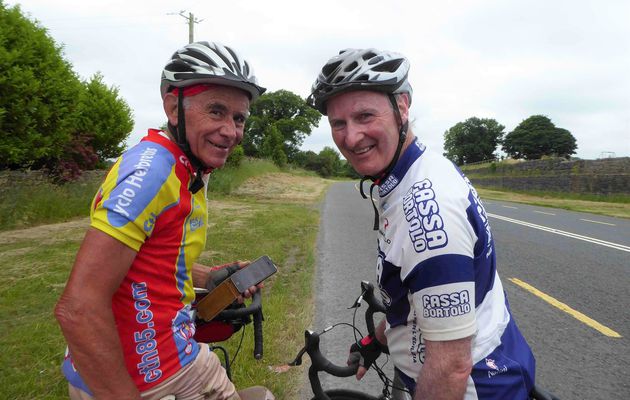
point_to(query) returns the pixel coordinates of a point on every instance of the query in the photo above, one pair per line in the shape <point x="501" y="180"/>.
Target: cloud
<point x="486" y="58"/>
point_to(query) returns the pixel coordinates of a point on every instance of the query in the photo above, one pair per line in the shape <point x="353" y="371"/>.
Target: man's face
<point x="365" y="129"/>
<point x="215" y="120"/>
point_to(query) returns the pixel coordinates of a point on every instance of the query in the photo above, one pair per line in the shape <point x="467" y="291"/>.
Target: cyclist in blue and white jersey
<point x="448" y="324"/>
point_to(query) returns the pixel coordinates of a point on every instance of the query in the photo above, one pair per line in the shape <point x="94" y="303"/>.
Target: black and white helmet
<point x="209" y="62"/>
<point x="360" y="69"/>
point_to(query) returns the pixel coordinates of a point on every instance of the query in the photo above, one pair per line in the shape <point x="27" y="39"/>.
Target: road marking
<point x="514" y="208"/>
<point x="574" y="313"/>
<point x="597" y="222"/>
<point x="542" y="212"/>
<point x="615" y="246"/>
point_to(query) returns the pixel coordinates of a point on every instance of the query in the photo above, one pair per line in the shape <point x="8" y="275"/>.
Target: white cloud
<point x="486" y="58"/>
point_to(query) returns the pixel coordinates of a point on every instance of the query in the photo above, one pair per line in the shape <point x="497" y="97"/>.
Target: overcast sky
<point x="507" y="60"/>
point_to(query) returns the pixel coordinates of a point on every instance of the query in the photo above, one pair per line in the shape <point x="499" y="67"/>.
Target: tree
<point x="104" y="117"/>
<point x="537" y="136"/>
<point x="329" y="162"/>
<point x="272" y="146"/>
<point x="39" y="93"/>
<point x="288" y="113"/>
<point x="473" y="140"/>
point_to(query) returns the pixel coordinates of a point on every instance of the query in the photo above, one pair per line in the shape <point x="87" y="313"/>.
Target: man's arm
<point x="84" y="312"/>
<point x="446" y="369"/>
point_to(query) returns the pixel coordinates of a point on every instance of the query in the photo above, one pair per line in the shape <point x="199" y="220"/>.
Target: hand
<point x="365" y="352"/>
<point x="220" y="273"/>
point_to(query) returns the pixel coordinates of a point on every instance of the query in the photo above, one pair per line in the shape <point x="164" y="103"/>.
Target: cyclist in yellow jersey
<point x="126" y="309"/>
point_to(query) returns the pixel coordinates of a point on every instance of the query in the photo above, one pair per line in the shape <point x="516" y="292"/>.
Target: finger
<point x="361" y="373"/>
<point x="353" y="358"/>
<point x="240" y="299"/>
<point x="243" y="264"/>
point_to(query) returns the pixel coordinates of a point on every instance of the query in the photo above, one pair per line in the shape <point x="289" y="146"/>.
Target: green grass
<point x="225" y="180"/>
<point x="612" y="206"/>
<point x="44" y="202"/>
<point x="36" y="263"/>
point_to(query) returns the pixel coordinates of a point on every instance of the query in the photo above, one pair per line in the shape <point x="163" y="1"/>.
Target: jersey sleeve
<point x="138" y="188"/>
<point x="437" y="263"/>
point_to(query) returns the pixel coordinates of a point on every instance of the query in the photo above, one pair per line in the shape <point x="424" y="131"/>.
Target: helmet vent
<point x="330" y="68"/>
<point x="375" y="60"/>
<point x="351" y="67"/>
<point x="369" y="55"/>
<point x="363" y="78"/>
<point x="389" y="66"/>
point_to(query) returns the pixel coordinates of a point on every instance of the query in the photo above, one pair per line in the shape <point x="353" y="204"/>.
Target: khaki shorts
<point x="203" y="379"/>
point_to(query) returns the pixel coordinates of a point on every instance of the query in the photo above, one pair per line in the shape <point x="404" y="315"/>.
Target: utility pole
<point x="191" y="24"/>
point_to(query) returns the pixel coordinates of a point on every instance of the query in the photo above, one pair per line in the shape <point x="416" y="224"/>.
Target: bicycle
<point x="227" y="323"/>
<point x="392" y="389"/>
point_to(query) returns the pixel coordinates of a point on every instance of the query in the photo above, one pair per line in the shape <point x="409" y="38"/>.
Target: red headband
<point x="193" y="89"/>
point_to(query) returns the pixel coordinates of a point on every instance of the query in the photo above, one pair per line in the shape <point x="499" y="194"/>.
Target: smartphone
<point x="256" y="272"/>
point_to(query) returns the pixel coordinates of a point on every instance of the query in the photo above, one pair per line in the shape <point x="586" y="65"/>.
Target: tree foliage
<point x="39" y="93"/>
<point x="104" y="117"/>
<point x="536" y="137"/>
<point x="49" y="118"/>
<point x="327" y="163"/>
<point x="473" y="140"/>
<point x="280" y="113"/>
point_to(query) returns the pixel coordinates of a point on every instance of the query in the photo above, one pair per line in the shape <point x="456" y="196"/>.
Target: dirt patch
<point x="48" y="234"/>
<point x="285" y="187"/>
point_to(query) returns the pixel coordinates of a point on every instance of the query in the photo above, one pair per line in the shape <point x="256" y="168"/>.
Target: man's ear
<point x="403" y="105"/>
<point x="170" y="108"/>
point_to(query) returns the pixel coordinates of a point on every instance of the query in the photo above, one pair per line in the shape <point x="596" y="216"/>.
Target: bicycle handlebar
<point x="255" y="310"/>
<point x="319" y="362"/>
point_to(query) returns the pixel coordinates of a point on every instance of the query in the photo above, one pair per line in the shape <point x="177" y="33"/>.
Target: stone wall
<point x="605" y="176"/>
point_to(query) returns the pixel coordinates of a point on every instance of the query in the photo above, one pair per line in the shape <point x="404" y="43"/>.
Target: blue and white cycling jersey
<point x="437" y="273"/>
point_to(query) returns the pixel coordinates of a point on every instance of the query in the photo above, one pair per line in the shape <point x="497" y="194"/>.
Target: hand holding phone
<point x="231" y="288"/>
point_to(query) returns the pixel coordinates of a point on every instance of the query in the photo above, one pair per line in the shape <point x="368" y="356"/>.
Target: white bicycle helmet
<point x="209" y="62"/>
<point x="366" y="69"/>
<point x="360" y="69"/>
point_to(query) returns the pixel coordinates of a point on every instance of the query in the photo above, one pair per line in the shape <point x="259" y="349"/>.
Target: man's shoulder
<point x="147" y="159"/>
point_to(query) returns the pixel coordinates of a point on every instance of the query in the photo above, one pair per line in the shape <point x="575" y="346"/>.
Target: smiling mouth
<point x="218" y="146"/>
<point x="363" y="150"/>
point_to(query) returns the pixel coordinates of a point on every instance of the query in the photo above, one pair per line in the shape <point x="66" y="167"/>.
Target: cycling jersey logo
<point x="196" y="223"/>
<point x="150" y="223"/>
<point x="496" y="370"/>
<point x="423" y="214"/>
<point x="446" y="305"/>
<point x="390" y="183"/>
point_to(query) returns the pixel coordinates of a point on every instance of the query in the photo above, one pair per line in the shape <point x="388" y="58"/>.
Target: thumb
<point x="361" y="372"/>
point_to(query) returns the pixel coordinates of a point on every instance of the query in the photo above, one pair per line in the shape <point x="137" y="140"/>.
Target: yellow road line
<point x="574" y="313"/>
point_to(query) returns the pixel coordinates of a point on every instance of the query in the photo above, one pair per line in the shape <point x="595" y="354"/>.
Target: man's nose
<point x="354" y="134"/>
<point x="229" y="128"/>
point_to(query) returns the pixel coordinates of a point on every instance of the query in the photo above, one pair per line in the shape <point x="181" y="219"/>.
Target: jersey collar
<point x="410" y="155"/>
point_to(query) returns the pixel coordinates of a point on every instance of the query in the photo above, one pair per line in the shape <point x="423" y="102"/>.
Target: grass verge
<point x="620" y="209"/>
<point x="258" y="218"/>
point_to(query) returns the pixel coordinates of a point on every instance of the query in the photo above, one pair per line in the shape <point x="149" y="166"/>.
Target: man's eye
<point x="337" y="125"/>
<point x="240" y="120"/>
<point x="364" y="116"/>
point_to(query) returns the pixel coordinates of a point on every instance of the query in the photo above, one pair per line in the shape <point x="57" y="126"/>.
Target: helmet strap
<point x="179" y="132"/>
<point x="402" y="136"/>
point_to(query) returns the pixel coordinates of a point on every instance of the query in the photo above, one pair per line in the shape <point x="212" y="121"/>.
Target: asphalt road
<point x="579" y="262"/>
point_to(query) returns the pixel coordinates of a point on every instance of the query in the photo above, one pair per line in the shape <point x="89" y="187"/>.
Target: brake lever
<point x="298" y="358"/>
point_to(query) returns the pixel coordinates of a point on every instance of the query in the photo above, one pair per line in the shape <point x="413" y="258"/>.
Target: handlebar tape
<point x="258" y="334"/>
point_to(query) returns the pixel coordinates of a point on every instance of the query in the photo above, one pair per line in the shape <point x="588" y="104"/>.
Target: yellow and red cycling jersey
<point x="144" y="202"/>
